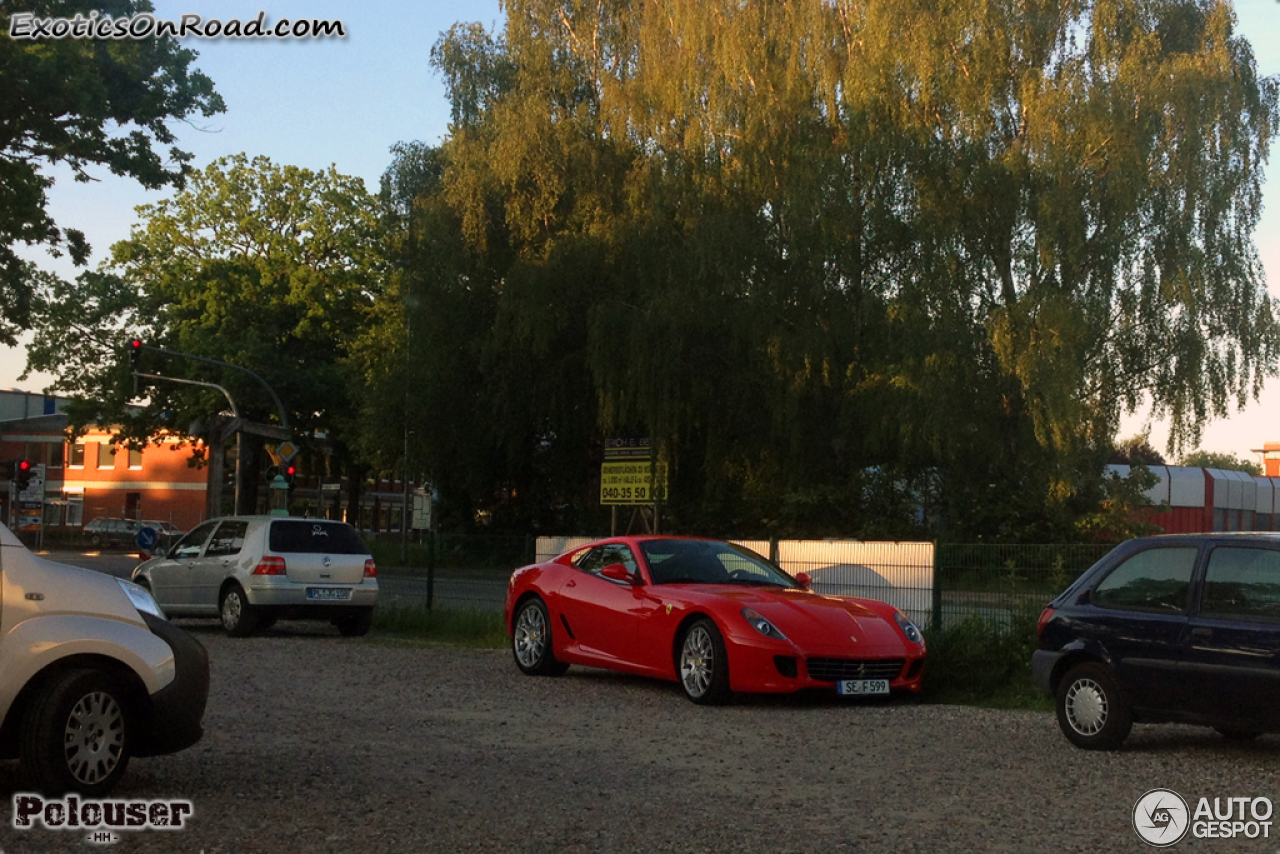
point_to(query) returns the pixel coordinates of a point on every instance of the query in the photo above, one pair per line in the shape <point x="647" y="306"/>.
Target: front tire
<point x="239" y="618"/>
<point x="1093" y="711"/>
<point x="704" y="664"/>
<point x="531" y="642"/>
<point x="74" y="734"/>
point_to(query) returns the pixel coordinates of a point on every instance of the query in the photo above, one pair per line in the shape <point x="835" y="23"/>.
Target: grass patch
<point x="467" y="629"/>
<point x="978" y="664"/>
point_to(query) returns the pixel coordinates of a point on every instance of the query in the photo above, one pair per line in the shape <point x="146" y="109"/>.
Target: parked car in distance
<point x="710" y="615"/>
<point x="91" y="674"/>
<point x="250" y="571"/>
<point x="111" y="532"/>
<point x="1182" y="628"/>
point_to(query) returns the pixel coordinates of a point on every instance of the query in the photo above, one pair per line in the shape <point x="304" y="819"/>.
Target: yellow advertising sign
<point x="633" y="482"/>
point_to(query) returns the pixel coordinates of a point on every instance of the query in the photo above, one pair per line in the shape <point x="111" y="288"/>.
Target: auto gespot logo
<point x="1162" y="817"/>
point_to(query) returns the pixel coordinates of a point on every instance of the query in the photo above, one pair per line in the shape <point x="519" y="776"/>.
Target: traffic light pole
<point x="284" y="417"/>
<point x="236" y="425"/>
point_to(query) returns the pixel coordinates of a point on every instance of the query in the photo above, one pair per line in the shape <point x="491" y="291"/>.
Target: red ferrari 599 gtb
<point x="713" y="616"/>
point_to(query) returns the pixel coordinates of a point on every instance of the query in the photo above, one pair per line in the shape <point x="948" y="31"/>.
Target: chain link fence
<point x="935" y="585"/>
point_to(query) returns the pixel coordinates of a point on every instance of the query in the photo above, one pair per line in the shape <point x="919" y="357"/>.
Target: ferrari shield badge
<point x="669" y="607"/>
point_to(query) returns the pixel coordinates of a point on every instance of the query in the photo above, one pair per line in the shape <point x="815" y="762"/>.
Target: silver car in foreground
<point x="91" y="674"/>
<point x="252" y="570"/>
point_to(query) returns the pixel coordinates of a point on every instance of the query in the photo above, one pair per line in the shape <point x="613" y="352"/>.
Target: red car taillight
<point x="1045" y="617"/>
<point x="370" y="569"/>
<point x="270" y="566"/>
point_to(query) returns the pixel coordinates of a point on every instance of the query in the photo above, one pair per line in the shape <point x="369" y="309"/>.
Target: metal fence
<point x="936" y="585"/>
<point x="1002" y="583"/>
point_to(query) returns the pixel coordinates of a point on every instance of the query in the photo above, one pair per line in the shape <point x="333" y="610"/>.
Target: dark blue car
<point x="1181" y="628"/>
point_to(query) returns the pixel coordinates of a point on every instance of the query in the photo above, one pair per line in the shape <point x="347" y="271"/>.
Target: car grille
<point x="832" y="669"/>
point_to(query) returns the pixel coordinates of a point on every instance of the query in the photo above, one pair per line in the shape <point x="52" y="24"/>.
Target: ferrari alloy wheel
<point x="531" y="641"/>
<point x="1092" y="710"/>
<point x="704" y="665"/>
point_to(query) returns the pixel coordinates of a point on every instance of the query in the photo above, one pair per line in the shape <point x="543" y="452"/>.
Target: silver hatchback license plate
<point x="862" y="687"/>
<point x="329" y="594"/>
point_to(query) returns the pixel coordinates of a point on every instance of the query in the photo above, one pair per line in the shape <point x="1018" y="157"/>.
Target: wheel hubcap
<point x="531" y="636"/>
<point x="94" y="737"/>
<point x="696" y="662"/>
<point x="1086" y="707"/>
<point x="231" y="611"/>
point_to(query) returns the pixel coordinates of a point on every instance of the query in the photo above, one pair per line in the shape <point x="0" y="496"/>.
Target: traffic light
<point x="289" y="472"/>
<point x="271" y="473"/>
<point x="22" y="471"/>
<point x="135" y="353"/>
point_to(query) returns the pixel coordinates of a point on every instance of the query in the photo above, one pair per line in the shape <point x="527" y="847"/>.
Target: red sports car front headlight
<point x="908" y="628"/>
<point x="761" y="625"/>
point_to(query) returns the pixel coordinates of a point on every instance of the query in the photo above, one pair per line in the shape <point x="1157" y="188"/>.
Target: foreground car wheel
<point x="1092" y="709"/>
<point x="704" y="664"/>
<point x="238" y="617"/>
<point x="531" y="641"/>
<point x="356" y="625"/>
<point x="73" y="734"/>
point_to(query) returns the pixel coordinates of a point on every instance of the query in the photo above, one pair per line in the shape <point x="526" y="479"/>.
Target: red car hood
<point x="816" y="623"/>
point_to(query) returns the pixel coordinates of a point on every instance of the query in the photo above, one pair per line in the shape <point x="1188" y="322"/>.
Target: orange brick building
<point x="94" y="478"/>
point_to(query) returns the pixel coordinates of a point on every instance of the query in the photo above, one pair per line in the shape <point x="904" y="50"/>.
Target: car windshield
<point x="709" y="562"/>
<point x="298" y="535"/>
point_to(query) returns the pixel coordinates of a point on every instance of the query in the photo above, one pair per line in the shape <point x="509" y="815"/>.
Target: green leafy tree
<point x="272" y="268"/>
<point x="1218" y="460"/>
<point x="83" y="103"/>
<point x="1136" y="450"/>
<point x="801" y="243"/>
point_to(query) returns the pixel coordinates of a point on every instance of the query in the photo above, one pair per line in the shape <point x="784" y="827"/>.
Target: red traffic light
<point x="135" y="344"/>
<point x="290" y="471"/>
<point x="24" y="465"/>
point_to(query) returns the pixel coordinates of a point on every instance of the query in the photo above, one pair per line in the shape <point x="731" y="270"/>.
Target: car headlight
<point x="761" y="625"/>
<point x="141" y="598"/>
<point x="908" y="628"/>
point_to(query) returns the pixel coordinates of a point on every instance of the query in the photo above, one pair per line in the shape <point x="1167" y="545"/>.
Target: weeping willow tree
<point x="823" y="250"/>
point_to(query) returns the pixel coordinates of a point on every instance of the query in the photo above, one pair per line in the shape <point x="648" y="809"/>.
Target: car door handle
<point x="1201" y="633"/>
<point x="571" y="583"/>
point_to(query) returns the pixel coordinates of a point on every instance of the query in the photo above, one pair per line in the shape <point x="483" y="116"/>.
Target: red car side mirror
<point x="805" y="580"/>
<point x="618" y="572"/>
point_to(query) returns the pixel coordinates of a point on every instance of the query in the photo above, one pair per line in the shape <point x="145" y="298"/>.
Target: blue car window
<point x="1152" y="580"/>
<point x="1242" y="583"/>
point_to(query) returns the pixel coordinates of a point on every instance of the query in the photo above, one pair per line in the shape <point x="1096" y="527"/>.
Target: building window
<point x="75" y="508"/>
<point x="135" y="459"/>
<point x="77" y="455"/>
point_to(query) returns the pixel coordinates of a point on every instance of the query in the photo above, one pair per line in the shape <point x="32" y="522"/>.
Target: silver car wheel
<point x="232" y="608"/>
<point x="94" y="737"/>
<point x="697" y="660"/>
<point x="531" y="636"/>
<point x="1086" y="707"/>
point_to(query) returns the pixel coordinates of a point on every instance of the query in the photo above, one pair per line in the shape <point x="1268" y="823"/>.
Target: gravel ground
<point x="318" y="743"/>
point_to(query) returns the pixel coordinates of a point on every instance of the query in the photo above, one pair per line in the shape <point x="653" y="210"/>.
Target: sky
<point x="344" y="102"/>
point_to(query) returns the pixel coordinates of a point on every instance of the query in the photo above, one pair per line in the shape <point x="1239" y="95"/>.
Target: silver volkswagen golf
<point x="252" y="570"/>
